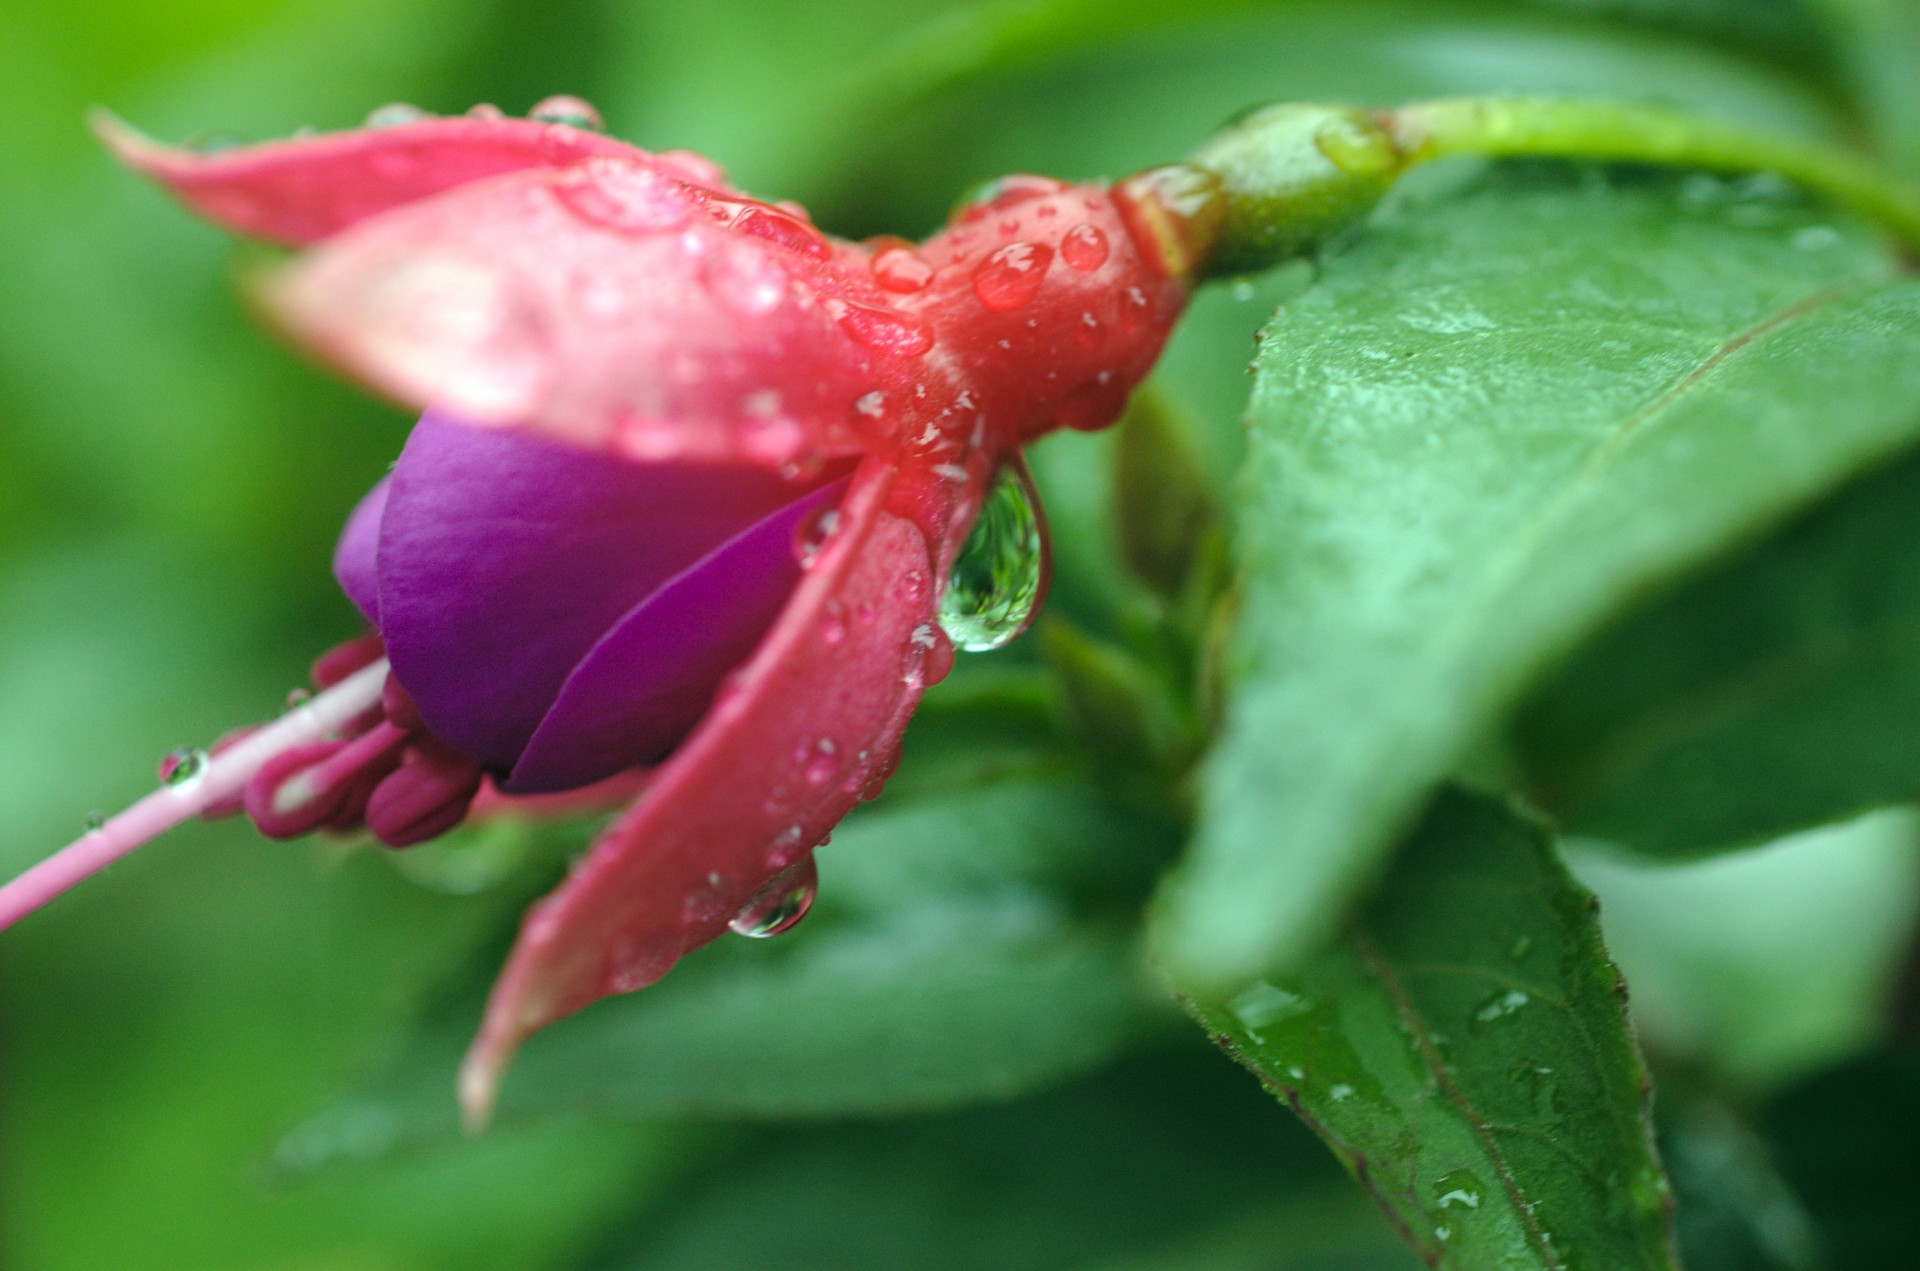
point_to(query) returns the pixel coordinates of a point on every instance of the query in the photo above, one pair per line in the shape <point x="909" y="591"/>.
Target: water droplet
<point x="1521" y="947"/>
<point x="182" y="766"/>
<point x="833" y="630"/>
<point x="781" y="902"/>
<point x="485" y="110"/>
<point x="887" y="330"/>
<point x="823" y="765"/>
<point x="625" y="195"/>
<point x="394" y="114"/>
<point x="93" y="823"/>
<point x="1499" y="1006"/>
<point x="778" y="227"/>
<point x="1135" y="308"/>
<point x="901" y="269"/>
<point x="563" y="108"/>
<point x="746" y="278"/>
<point x="1457" y="1189"/>
<point x="1243" y="291"/>
<point x="1002" y="571"/>
<point x="1084" y="247"/>
<point x="1263" y="1005"/>
<point x="1086" y="332"/>
<point x="633" y="962"/>
<point x="811" y="535"/>
<point x="298" y="697"/>
<point x="1010" y="276"/>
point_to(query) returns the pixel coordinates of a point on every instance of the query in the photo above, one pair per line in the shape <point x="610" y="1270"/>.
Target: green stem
<point x="1296" y="174"/>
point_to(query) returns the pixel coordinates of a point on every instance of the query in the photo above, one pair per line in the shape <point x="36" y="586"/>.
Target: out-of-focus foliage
<point x="1585" y="485"/>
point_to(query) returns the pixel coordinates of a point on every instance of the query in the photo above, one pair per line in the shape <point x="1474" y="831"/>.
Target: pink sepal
<point x="801" y="732"/>
<point x="616" y="307"/>
<point x="303" y="189"/>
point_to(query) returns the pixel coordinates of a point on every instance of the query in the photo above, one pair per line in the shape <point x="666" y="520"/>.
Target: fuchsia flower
<point x="689" y="486"/>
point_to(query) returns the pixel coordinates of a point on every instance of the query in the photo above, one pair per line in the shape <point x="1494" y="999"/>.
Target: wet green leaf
<point x="1464" y="1049"/>
<point x="1778" y="691"/>
<point x="960" y="950"/>
<point x="1498" y="419"/>
<point x="1167" y="1161"/>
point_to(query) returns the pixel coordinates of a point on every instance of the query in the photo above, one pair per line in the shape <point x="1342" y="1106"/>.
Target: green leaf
<point x="1172" y="1152"/>
<point x="1464" y="1049"/>
<point x="964" y="947"/>
<point x="1777" y="691"/>
<point x="1497" y="421"/>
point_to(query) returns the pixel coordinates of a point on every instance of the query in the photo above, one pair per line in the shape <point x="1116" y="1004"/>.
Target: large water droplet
<point x="1010" y="276"/>
<point x="783" y="228"/>
<point x="393" y="114"/>
<point x="902" y="269"/>
<point x="624" y="195"/>
<point x="1084" y="247"/>
<point x="1000" y="577"/>
<point x="563" y="108"/>
<point x="182" y="766"/>
<point x="887" y="330"/>
<point x="781" y="902"/>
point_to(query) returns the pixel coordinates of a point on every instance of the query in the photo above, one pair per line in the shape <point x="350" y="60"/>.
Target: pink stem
<point x="220" y="778"/>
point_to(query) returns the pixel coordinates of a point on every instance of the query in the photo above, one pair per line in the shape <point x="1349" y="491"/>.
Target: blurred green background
<point x="171" y="481"/>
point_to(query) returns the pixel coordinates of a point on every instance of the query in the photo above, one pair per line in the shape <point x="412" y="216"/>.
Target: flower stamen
<point x="220" y="779"/>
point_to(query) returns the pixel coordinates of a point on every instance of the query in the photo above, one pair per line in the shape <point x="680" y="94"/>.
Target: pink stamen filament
<point x="337" y="769"/>
<point x="220" y="779"/>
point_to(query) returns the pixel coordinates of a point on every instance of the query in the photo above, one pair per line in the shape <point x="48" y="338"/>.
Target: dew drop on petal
<point x="485" y="110"/>
<point x="887" y="330"/>
<point x="696" y="168"/>
<point x="1000" y="576"/>
<point x="635" y="962"/>
<point x="298" y="697"/>
<point x="394" y="114"/>
<point x="1084" y="247"/>
<point x="1010" y="276"/>
<point x="183" y="765"/>
<point x="901" y="269"/>
<point x="780" y="227"/>
<point x="833" y="631"/>
<point x="811" y="534"/>
<point x="780" y="903"/>
<point x="1086" y="332"/>
<point x="563" y="108"/>
<point x="620" y="194"/>
<point x="745" y="278"/>
<point x="94" y="822"/>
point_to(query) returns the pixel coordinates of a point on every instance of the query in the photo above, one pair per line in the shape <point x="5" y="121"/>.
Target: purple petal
<point x="356" y="557"/>
<point x="504" y="558"/>
<point x="650" y="678"/>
